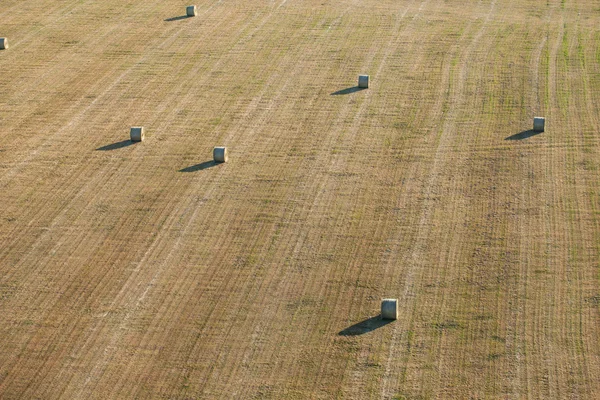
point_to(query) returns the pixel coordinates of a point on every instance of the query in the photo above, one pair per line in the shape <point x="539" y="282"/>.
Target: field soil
<point x="145" y="270"/>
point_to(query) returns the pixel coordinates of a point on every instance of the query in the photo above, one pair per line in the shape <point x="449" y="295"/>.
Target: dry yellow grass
<point x="147" y="271"/>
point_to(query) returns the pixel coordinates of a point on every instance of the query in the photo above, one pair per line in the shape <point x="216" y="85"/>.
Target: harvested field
<point x="146" y="270"/>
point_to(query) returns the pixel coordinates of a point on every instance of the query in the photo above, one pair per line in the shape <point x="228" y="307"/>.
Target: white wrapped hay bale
<point x="137" y="133"/>
<point x="190" y="11"/>
<point x="363" y="81"/>
<point x="3" y="43"/>
<point x="220" y="154"/>
<point x="539" y="124"/>
<point x="389" y="309"/>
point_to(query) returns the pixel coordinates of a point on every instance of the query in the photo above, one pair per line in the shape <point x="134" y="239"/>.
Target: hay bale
<point x="538" y="124"/>
<point x="190" y="11"/>
<point x="363" y="81"/>
<point x="137" y="133"/>
<point x="3" y="43"/>
<point x="220" y="154"/>
<point x="389" y="309"/>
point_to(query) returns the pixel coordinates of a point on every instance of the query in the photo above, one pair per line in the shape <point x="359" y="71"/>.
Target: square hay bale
<point x="220" y="154"/>
<point x="137" y="133"/>
<point x="363" y="81"/>
<point x="389" y="309"/>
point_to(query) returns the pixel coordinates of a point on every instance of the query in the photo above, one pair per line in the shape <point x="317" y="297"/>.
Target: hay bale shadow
<point x="177" y="18"/>
<point x="200" y="167"/>
<point x="523" y="135"/>
<point x="348" y="91"/>
<point x="366" y="326"/>
<point x="115" y="146"/>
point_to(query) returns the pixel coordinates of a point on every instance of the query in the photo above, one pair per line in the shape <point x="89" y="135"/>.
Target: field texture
<point x="147" y="271"/>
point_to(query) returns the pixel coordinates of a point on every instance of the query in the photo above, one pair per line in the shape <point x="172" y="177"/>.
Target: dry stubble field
<point x="145" y="271"/>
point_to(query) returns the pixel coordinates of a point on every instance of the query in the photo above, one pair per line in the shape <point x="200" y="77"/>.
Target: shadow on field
<point x="177" y="18"/>
<point x="115" y="146"/>
<point x="366" y="326"/>
<point x="199" y="167"/>
<point x="523" y="135"/>
<point x="347" y="90"/>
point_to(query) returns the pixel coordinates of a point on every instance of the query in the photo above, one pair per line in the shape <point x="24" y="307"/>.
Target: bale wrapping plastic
<point x="538" y="124"/>
<point x="220" y="154"/>
<point x="190" y="11"/>
<point x="363" y="81"/>
<point x="137" y="133"/>
<point x="389" y="309"/>
<point x="3" y="43"/>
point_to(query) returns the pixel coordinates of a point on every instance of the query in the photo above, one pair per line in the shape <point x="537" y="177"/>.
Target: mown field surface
<point x="146" y="271"/>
